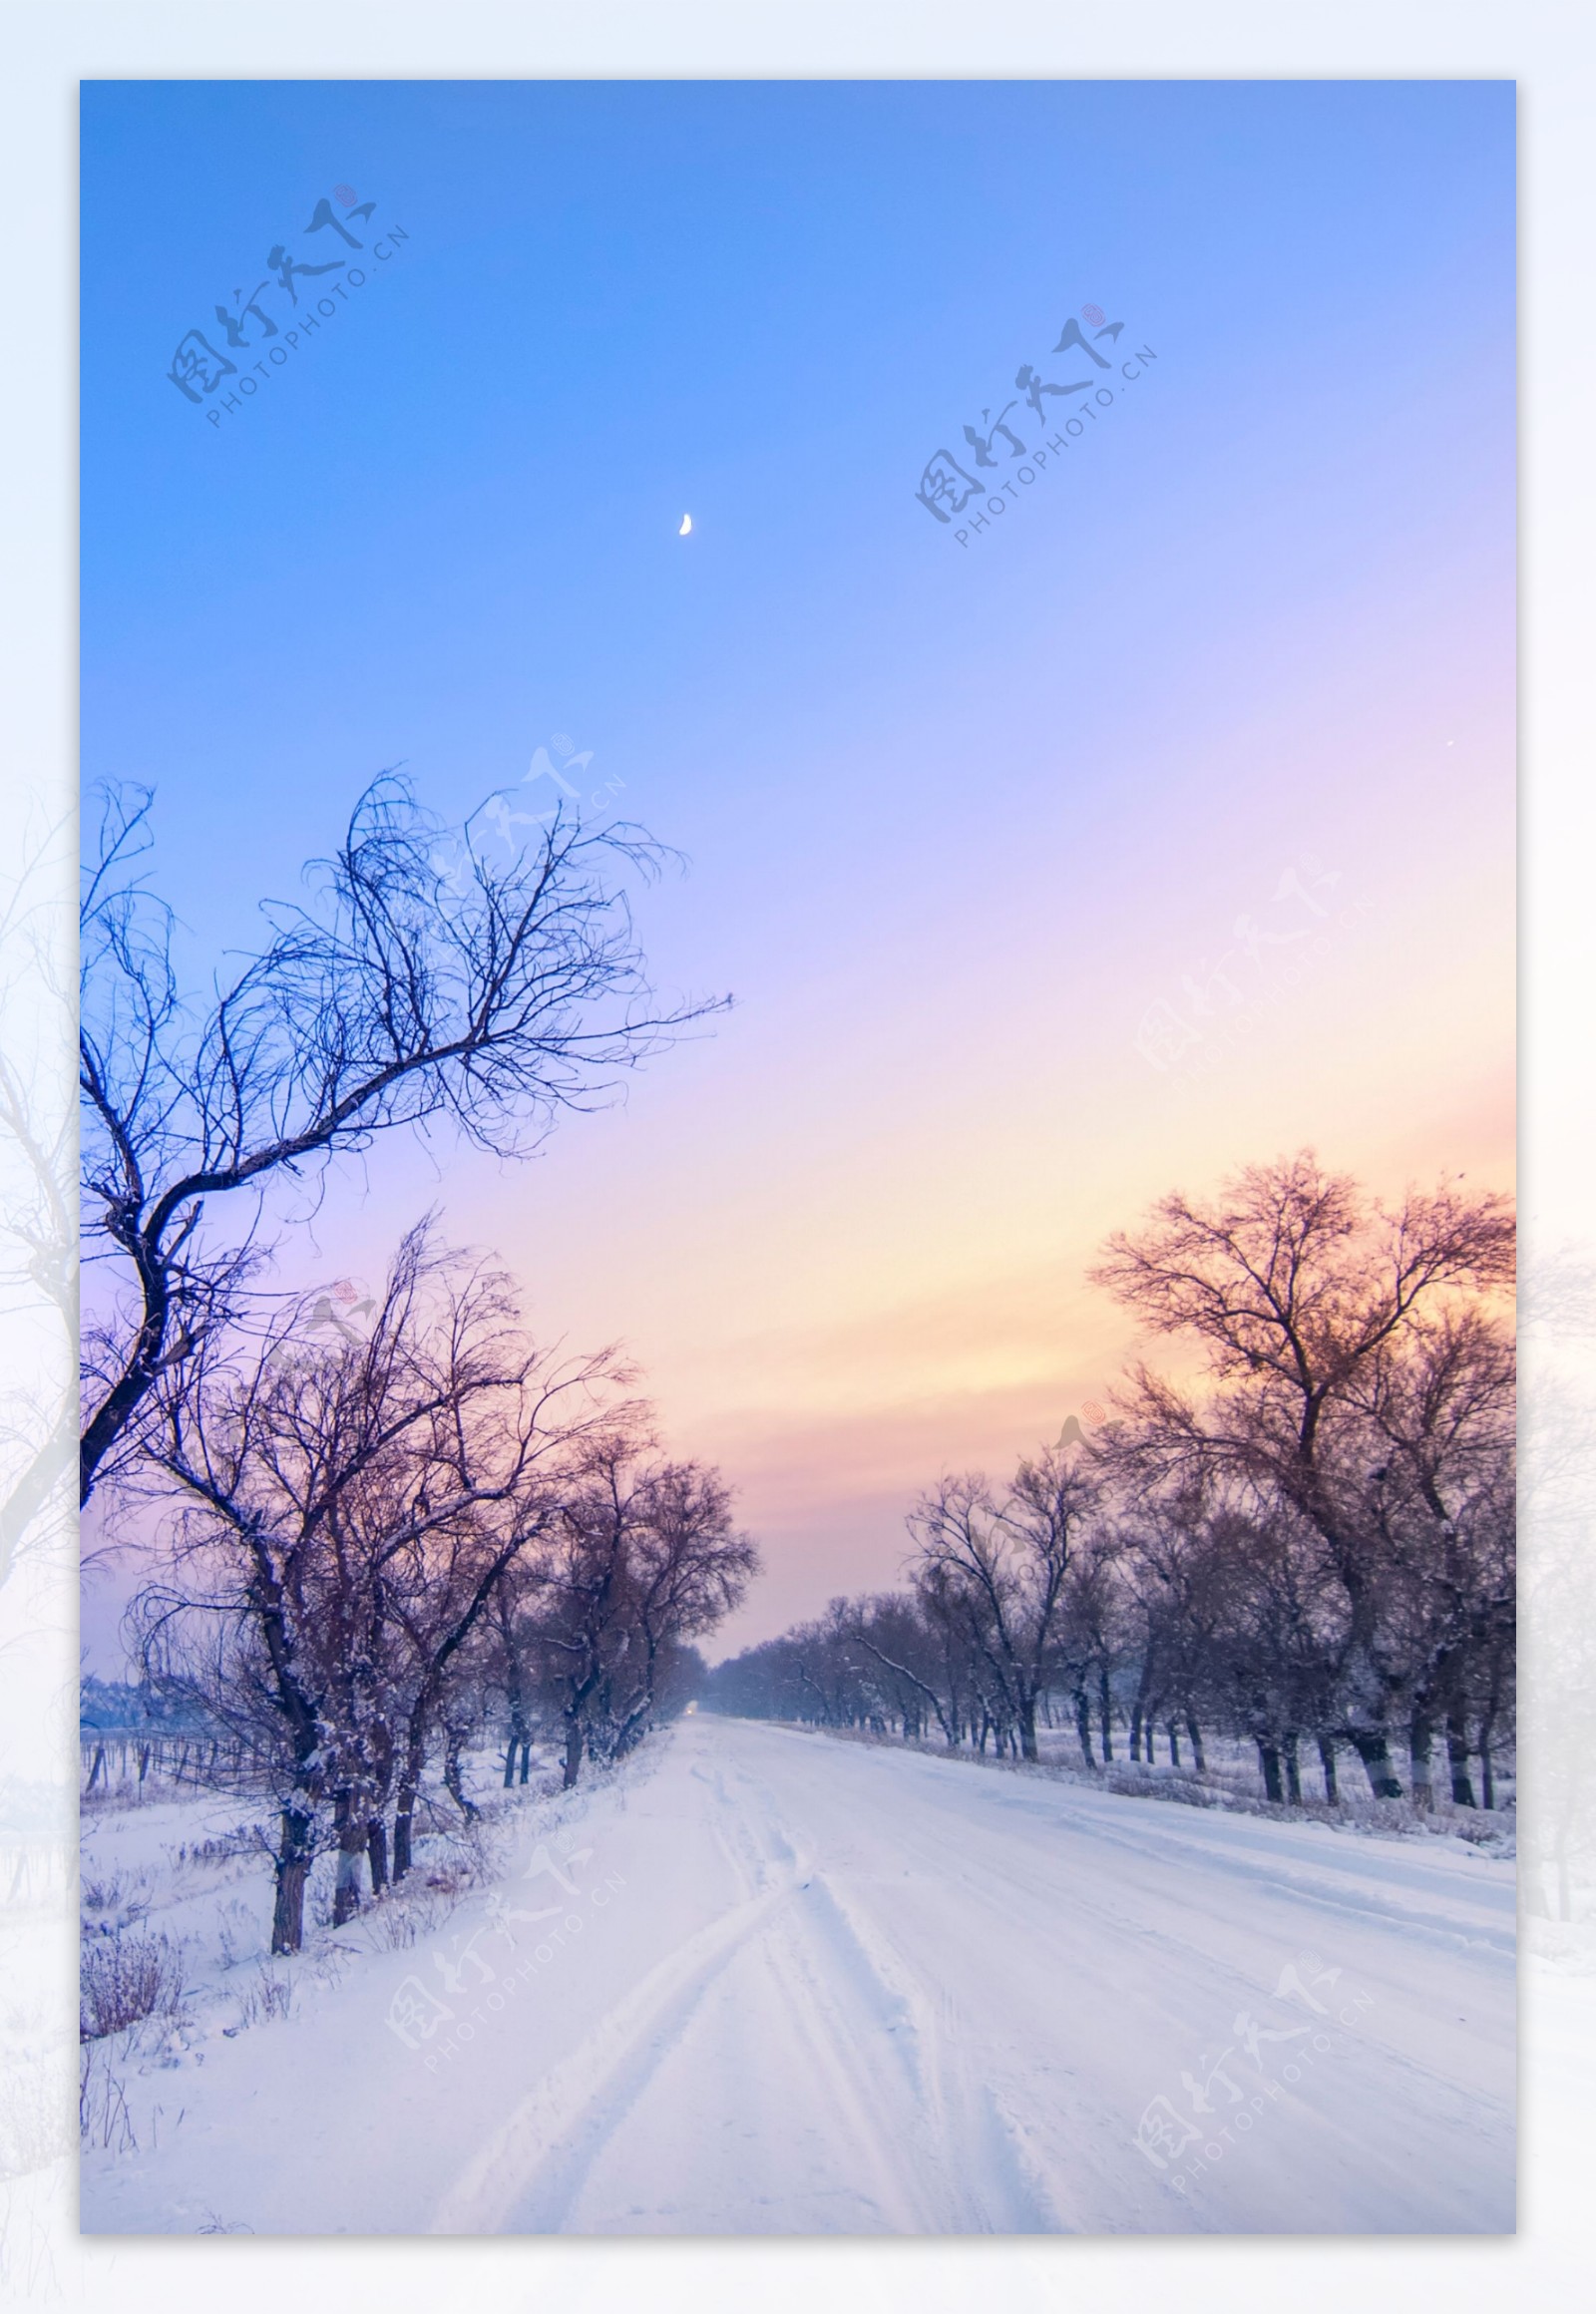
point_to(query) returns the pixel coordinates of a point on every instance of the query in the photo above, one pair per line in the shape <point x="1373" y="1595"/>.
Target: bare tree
<point x="38" y="1234"/>
<point x="1316" y="1548"/>
<point x="509" y="1668"/>
<point x="642" y="1556"/>
<point x="897" y="1641"/>
<point x="691" y="1567"/>
<point x="348" y="1517"/>
<point x="1299" y="1290"/>
<point x="996" y="1568"/>
<point x="1441" y="1417"/>
<point x="391" y="999"/>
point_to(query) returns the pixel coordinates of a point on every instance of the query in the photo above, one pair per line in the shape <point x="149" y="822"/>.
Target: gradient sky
<point x="958" y="817"/>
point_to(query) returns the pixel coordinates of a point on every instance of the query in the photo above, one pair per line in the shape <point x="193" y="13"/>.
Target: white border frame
<point x="1549" y="48"/>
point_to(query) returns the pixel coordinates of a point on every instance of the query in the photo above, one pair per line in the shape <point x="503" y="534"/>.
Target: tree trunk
<point x="1027" y="1729"/>
<point x="572" y="1752"/>
<point x="292" y="1865"/>
<point x="1375" y="1753"/>
<point x="519" y="1741"/>
<point x="1293" y="1781"/>
<point x="1084" y="1727"/>
<point x="377" y="1855"/>
<point x="1135" y="1730"/>
<point x="403" y="1822"/>
<point x="450" y="1775"/>
<point x="347" y="1888"/>
<point x="353" y="1832"/>
<point x="1269" y="1761"/>
<point x="1173" y="1733"/>
<point x="409" y="1786"/>
<point x="1457" y="1757"/>
<point x="1487" y="1728"/>
<point x="1421" y="1735"/>
<point x="526" y="1759"/>
<point x="1106" y="1715"/>
<point x="1326" y="1762"/>
<point x="1196" y="1735"/>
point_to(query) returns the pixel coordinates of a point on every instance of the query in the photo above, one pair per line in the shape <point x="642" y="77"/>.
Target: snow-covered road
<point x="797" y="1986"/>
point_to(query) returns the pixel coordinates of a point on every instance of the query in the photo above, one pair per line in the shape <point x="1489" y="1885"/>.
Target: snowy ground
<point x="765" y="1983"/>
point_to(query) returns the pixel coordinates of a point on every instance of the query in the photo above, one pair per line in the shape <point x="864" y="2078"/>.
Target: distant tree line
<point x="1309" y="1546"/>
<point x="121" y="1707"/>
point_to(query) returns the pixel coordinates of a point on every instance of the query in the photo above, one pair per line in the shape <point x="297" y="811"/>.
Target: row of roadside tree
<point x="1307" y="1543"/>
<point x="369" y="1551"/>
<point x="363" y="1543"/>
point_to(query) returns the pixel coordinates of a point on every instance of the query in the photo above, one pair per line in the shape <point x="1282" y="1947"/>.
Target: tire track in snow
<point x="532" y="2170"/>
<point x="545" y="2131"/>
<point x="839" y="2050"/>
<point x="921" y="2144"/>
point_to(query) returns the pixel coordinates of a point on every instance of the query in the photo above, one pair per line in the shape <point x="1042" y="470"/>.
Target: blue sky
<point x="955" y="816"/>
